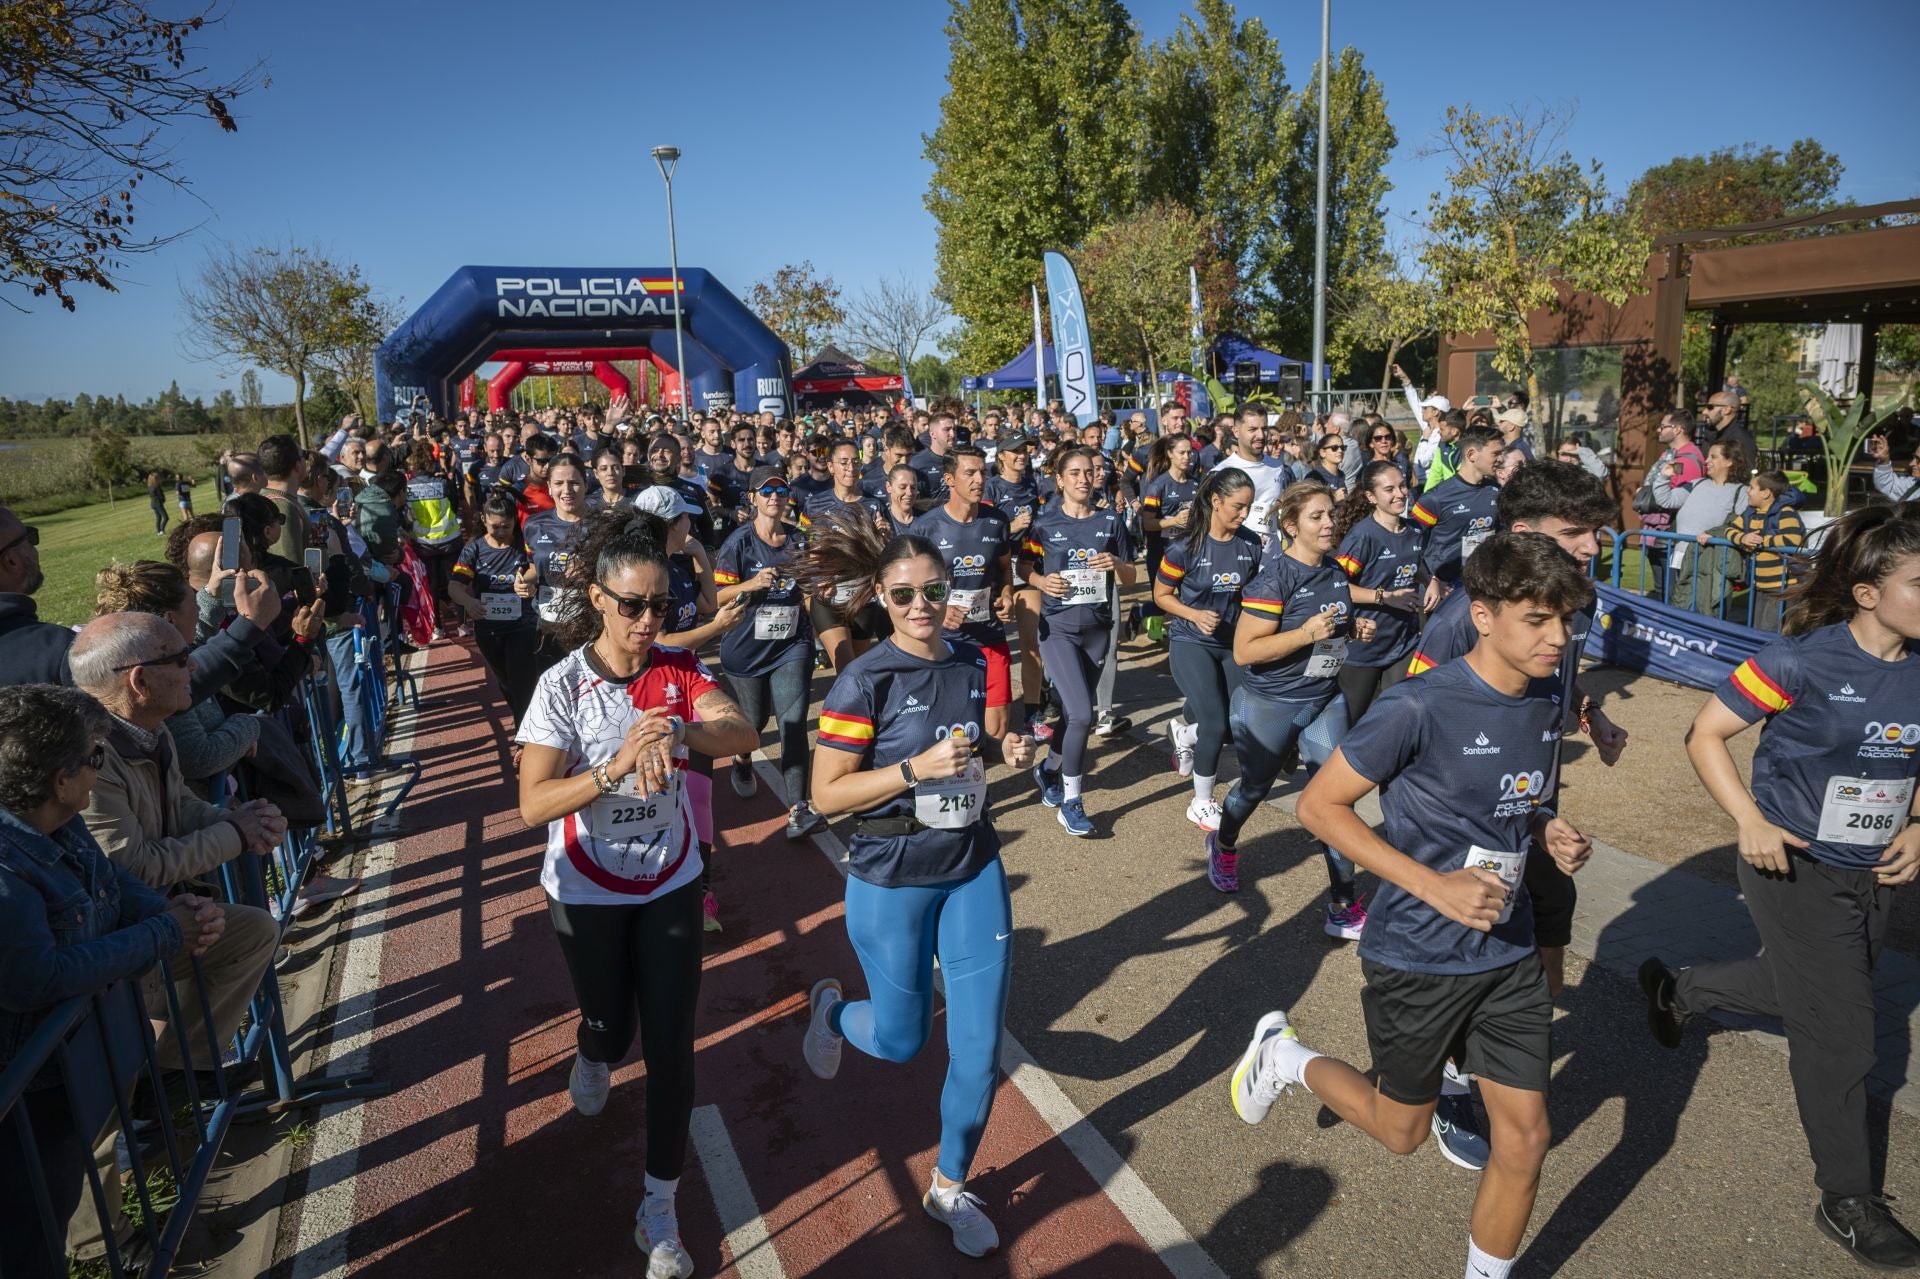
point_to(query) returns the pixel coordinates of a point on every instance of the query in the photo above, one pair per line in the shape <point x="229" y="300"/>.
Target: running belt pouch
<point x="889" y="827"/>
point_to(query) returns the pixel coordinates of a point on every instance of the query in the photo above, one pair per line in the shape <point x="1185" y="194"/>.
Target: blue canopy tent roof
<point x="1017" y="374"/>
<point x="1230" y="349"/>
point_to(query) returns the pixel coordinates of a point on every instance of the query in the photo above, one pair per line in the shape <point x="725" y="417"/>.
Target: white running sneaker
<point x="1204" y="813"/>
<point x="657" y="1230"/>
<point x="588" y="1085"/>
<point x="821" y="1047"/>
<point x="1258" y="1080"/>
<point x="965" y="1215"/>
<point x="1181" y="735"/>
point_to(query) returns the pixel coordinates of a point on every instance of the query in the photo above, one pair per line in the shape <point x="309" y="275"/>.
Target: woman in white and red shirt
<point x="606" y="740"/>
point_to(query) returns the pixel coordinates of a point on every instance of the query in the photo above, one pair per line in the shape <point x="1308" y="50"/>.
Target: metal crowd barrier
<point x="99" y="1052"/>
<point x="1713" y="578"/>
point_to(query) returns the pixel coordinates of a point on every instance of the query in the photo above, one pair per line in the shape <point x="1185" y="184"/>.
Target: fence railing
<point x="86" y="1110"/>
<point x="1713" y="577"/>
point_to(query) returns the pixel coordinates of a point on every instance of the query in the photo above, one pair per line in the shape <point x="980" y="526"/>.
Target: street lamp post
<point x="668" y="158"/>
<point x="1320" y="225"/>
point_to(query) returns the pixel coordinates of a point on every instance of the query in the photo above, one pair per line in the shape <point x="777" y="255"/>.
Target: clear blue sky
<point x="413" y="136"/>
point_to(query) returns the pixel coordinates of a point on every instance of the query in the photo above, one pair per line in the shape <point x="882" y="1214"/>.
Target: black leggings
<point x="640" y="965"/>
<point x="1361" y="684"/>
<point x="1073" y="661"/>
<point x="782" y="693"/>
<point x="1207" y="677"/>
<point x="509" y="654"/>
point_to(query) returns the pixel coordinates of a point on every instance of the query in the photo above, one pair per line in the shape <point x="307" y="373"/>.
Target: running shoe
<point x="1204" y="813"/>
<point x="1042" y="732"/>
<point x="1259" y="1080"/>
<point x="1073" y="817"/>
<point x="1051" y="792"/>
<point x="745" y="784"/>
<point x="1347" y="922"/>
<point x="1456" y="1132"/>
<point x="657" y="1230"/>
<point x="710" y="912"/>
<point x="803" y="821"/>
<point x="588" y="1085"/>
<point x="965" y="1215"/>
<point x="1865" y="1226"/>
<point x="1223" y="866"/>
<point x="1157" y="629"/>
<point x="1663" y="1019"/>
<point x="1177" y="729"/>
<point x="1110" y="724"/>
<point x="821" y="1047"/>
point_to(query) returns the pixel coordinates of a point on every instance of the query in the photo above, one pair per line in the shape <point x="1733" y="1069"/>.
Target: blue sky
<point x="413" y="136"/>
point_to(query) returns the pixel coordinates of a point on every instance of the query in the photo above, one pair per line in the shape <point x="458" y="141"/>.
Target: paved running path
<point x="476" y="1157"/>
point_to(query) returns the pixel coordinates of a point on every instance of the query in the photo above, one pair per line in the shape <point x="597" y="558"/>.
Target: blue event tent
<point x="1017" y="374"/>
<point x="1230" y="349"/>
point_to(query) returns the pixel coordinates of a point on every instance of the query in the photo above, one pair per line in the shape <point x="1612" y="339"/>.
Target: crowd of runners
<point x="1401" y="615"/>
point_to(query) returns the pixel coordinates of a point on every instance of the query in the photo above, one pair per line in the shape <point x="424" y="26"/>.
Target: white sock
<point x="1202" y="788"/>
<point x="1290" y="1058"/>
<point x="1189" y="735"/>
<point x="1482" y="1265"/>
<point x="1070" y="786"/>
<point x="659" y="1188"/>
<point x="1454" y="1082"/>
<point x="946" y="1192"/>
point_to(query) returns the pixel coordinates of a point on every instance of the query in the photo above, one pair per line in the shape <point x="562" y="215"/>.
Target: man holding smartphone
<point x="285" y="465"/>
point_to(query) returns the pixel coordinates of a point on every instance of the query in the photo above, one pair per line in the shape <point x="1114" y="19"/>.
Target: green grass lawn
<point x="78" y="543"/>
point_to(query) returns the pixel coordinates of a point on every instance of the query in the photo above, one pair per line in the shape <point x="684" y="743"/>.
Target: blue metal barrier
<point x="1711" y="578"/>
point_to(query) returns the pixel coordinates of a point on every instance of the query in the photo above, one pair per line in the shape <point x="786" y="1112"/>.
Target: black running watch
<point x="906" y="771"/>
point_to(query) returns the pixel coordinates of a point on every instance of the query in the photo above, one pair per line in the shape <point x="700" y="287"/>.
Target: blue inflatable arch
<point x="733" y="360"/>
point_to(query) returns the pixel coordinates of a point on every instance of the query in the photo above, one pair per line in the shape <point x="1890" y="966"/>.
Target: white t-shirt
<point x="621" y="849"/>
<point x="1268" y="479"/>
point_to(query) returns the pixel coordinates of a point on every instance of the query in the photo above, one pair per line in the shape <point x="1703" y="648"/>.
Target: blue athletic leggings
<point x="1263" y="728"/>
<point x="1073" y="660"/>
<point x="897" y="932"/>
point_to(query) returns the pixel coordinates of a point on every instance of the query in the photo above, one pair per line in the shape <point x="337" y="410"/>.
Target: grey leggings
<point x="1073" y="662"/>
<point x="1207" y="677"/>
<point x="782" y="692"/>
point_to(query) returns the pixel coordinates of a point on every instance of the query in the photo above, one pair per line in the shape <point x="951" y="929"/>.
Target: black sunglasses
<point x="932" y="593"/>
<point x="631" y="606"/>
<point x="773" y="490"/>
<point x="1380" y="439"/>
<point x="28" y="534"/>
<point x="179" y="659"/>
<point x="96" y="759"/>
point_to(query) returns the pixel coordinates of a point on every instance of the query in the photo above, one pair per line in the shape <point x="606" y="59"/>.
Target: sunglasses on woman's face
<point x="932" y="593"/>
<point x="772" y="490"/>
<point x="1382" y="439"/>
<point x="631" y="606"/>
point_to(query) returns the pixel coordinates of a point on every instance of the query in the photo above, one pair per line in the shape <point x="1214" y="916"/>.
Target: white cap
<point x="1440" y="402"/>
<point x="665" y="501"/>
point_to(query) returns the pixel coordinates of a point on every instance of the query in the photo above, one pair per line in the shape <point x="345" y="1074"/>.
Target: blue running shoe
<point x="1456" y="1132"/>
<point x="1073" y="816"/>
<point x="1049" y="784"/>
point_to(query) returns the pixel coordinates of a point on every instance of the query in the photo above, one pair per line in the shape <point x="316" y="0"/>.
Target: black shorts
<point x="870" y="623"/>
<point x="1554" y="897"/>
<point x="1494" y="1024"/>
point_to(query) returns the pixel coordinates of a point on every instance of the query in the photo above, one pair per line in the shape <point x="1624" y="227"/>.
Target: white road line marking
<point x="747" y="1238"/>
<point x="1177" y="1250"/>
<point x="327" y="1208"/>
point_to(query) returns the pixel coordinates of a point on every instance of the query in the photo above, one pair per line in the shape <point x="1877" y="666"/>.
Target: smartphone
<point x="316" y="560"/>
<point x="229" y="556"/>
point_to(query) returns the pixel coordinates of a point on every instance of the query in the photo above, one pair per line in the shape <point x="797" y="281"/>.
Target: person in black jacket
<point x="31" y="651"/>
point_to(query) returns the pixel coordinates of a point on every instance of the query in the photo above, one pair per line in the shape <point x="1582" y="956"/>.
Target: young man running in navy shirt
<point x="1463" y="757"/>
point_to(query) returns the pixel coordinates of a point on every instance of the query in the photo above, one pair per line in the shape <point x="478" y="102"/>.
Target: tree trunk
<point x="1153" y="378"/>
<point x="1386" y="373"/>
<point x="299" y="407"/>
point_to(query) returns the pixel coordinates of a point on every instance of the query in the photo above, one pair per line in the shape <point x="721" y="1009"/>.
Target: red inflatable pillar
<point x="469" y="391"/>
<point x="500" y="386"/>
<point x="613" y="379"/>
<point x="669" y="381"/>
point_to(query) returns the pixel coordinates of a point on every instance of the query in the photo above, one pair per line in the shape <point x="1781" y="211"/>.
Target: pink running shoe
<point x="1347" y="924"/>
<point x="1223" y="866"/>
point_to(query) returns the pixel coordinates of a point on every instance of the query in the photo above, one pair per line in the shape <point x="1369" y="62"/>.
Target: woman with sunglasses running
<point x="1296" y="618"/>
<point x="900" y="737"/>
<point x="493" y="581"/>
<point x="768" y="658"/>
<point x="550" y="537"/>
<point x="1072" y="554"/>
<point x="841" y="638"/>
<point x="1380" y="552"/>
<point x="605" y="745"/>
<point x="1329" y="451"/>
<point x="1198" y="585"/>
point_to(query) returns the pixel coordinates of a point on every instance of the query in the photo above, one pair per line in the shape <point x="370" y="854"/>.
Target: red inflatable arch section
<point x="524" y="363"/>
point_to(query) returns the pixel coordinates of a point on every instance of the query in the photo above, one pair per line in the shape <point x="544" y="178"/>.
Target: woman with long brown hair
<point x="1825" y="834"/>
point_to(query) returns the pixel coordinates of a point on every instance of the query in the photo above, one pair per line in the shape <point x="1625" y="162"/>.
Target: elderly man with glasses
<point x="31" y="651"/>
<point x="150" y="823"/>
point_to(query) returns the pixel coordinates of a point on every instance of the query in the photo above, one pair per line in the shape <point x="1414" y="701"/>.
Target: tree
<point x="895" y="316"/>
<point x="1135" y="279"/>
<point x="1736" y="185"/>
<point x="93" y="90"/>
<point x="109" y="457"/>
<point x="1036" y="146"/>
<point x="1360" y="140"/>
<point x="1520" y="219"/>
<point x="1382" y="307"/>
<point x="250" y="397"/>
<point x="803" y="308"/>
<point x="364" y="325"/>
<point x="284" y="308"/>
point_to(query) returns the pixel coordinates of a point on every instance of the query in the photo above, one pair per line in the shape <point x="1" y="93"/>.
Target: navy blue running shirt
<point x="1383" y="561"/>
<point x="488" y="571"/>
<point x="1841" y="742"/>
<point x="1460" y="766"/>
<point x="1211" y="580"/>
<point x="1059" y="543"/>
<point x="1457" y="517"/>
<point x="976" y="554"/>
<point x="889" y="706"/>
<point x="775" y="630"/>
<point x="1013" y="499"/>
<point x="1293" y="594"/>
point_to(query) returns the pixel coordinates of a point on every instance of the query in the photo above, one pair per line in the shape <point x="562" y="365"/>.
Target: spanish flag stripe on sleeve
<point x="1266" y="608"/>
<point x="1150" y="503"/>
<point x="845" y="729"/>
<point x="724" y="578"/>
<point x="1171" y="573"/>
<point x="1757" y="688"/>
<point x="1348" y="563"/>
<point x="1426" y="517"/>
<point x="1033" y="548"/>
<point x="461" y="570"/>
<point x="1419" y="664"/>
<point x="1133" y="464"/>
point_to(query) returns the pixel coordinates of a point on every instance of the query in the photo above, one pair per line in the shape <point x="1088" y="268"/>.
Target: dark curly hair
<point x="847" y="547"/>
<point x="616" y="538"/>
<point x="45" y="730"/>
